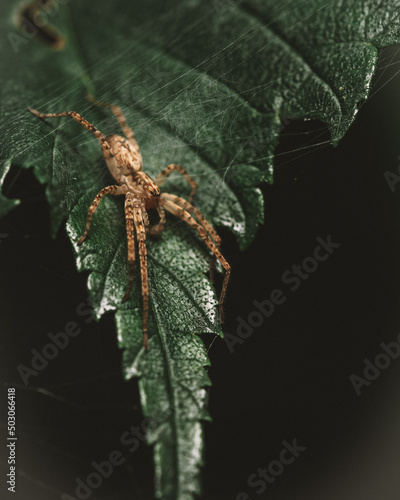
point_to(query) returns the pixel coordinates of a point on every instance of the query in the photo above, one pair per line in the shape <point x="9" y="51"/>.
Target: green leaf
<point x="206" y="84"/>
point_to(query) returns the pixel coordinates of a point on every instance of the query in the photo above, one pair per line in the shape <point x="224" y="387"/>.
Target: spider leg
<point x="160" y="226"/>
<point x="141" y="237"/>
<point x="131" y="241"/>
<point x="119" y="115"/>
<point x="185" y="205"/>
<point x="114" y="190"/>
<point x="88" y="126"/>
<point x="146" y="219"/>
<point x="167" y="171"/>
<point x="185" y="216"/>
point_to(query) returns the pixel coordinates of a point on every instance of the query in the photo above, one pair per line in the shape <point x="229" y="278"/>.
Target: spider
<point x="124" y="161"/>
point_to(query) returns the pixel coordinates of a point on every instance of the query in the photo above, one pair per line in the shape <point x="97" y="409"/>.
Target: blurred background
<point x="288" y="380"/>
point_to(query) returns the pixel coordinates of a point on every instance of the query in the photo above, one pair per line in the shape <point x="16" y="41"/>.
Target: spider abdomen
<point x="123" y="159"/>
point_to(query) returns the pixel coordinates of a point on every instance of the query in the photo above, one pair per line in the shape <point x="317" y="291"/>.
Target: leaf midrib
<point x="171" y="378"/>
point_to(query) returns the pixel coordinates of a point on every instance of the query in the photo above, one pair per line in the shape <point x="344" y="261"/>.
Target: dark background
<point x="288" y="380"/>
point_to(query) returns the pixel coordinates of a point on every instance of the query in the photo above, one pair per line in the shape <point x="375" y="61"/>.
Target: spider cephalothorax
<point x="142" y="193"/>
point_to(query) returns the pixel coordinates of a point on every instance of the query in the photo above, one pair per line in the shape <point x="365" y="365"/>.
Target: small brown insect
<point x="141" y="193"/>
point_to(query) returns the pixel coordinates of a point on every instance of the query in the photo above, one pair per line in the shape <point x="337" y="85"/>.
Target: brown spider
<point x="124" y="161"/>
